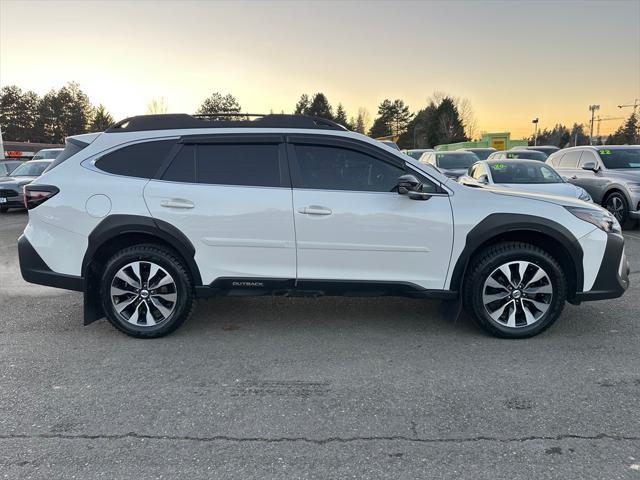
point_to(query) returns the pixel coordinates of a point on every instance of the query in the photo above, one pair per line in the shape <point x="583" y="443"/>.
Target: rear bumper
<point x="613" y="277"/>
<point x="12" y="202"/>
<point x="35" y="270"/>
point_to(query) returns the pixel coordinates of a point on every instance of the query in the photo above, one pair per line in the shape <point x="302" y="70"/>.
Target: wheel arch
<point x="541" y="232"/>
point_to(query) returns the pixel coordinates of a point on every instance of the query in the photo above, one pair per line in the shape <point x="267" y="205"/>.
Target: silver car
<point x="452" y="164"/>
<point x="610" y="173"/>
<point x="523" y="175"/>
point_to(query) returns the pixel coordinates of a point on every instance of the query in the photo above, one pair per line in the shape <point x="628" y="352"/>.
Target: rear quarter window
<point x="140" y="160"/>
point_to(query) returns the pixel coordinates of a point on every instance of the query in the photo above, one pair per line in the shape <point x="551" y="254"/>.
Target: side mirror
<point x="412" y="187"/>
<point x="590" y="166"/>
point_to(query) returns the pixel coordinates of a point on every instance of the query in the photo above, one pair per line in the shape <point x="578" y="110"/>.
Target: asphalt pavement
<point x="314" y="388"/>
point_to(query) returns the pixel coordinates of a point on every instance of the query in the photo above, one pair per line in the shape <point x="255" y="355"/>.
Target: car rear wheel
<point x="146" y="291"/>
<point x="514" y="290"/>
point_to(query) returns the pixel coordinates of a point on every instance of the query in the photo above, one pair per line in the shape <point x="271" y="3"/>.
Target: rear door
<point x="352" y="226"/>
<point x="231" y="196"/>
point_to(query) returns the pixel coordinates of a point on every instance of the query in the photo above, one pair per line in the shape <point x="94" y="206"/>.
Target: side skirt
<point x="317" y="288"/>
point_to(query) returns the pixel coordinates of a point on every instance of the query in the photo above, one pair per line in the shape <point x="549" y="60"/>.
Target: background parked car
<point x="47" y="153"/>
<point x="452" y="164"/>
<point x="481" y="153"/>
<point x="548" y="149"/>
<point x="514" y="154"/>
<point x="611" y="175"/>
<point x="525" y="175"/>
<point x="11" y="195"/>
<point x="416" y="153"/>
<point x="7" y="166"/>
<point x="389" y="143"/>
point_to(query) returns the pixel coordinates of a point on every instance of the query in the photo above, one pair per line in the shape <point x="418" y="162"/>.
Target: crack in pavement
<point x="317" y="441"/>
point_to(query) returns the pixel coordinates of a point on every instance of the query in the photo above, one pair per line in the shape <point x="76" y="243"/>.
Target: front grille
<point x="5" y="192"/>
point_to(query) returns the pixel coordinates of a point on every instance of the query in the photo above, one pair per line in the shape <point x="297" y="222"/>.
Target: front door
<point x="351" y="225"/>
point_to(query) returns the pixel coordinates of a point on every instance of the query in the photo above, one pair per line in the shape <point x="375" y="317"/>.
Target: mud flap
<point x="92" y="305"/>
<point x="451" y="309"/>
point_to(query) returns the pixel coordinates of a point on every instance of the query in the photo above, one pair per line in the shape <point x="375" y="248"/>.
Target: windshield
<point x="455" y="161"/>
<point x="416" y="154"/>
<point x="482" y="153"/>
<point x="42" y="154"/>
<point x="521" y="172"/>
<point x="30" y="169"/>
<point x="528" y="154"/>
<point x="620" y="157"/>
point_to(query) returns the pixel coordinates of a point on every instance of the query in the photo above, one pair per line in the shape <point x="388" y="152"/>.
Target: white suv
<point x="159" y="210"/>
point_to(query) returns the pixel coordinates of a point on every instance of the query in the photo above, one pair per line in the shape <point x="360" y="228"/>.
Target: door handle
<point x="177" y="203"/>
<point x="315" y="210"/>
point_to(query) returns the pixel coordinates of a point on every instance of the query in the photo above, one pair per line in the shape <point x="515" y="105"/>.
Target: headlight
<point x="585" y="196"/>
<point x="600" y="218"/>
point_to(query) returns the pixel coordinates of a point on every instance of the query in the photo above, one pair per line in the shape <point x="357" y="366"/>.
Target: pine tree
<point x="627" y="134"/>
<point x="341" y="116"/>
<point x="320" y="107"/>
<point x="218" y="103"/>
<point x="302" y="107"/>
<point x="101" y="120"/>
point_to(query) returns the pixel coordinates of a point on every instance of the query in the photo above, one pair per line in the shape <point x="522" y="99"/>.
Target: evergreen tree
<point x="449" y="124"/>
<point x="359" y="125"/>
<point x="101" y="120"/>
<point x="218" y="103"/>
<point x="62" y="113"/>
<point x="302" y="107"/>
<point x="320" y="107"/>
<point x="627" y="134"/>
<point x="341" y="116"/>
<point x="393" y="119"/>
<point x="18" y="112"/>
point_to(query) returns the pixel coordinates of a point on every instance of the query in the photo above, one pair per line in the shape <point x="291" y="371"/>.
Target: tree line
<point x="25" y="116"/>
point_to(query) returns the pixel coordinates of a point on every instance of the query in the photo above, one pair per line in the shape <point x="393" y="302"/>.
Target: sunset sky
<point x="513" y="60"/>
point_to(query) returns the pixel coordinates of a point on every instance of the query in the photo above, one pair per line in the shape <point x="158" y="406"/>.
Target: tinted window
<point x="570" y="160"/>
<point x="620" y="157"/>
<point x="140" y="160"/>
<point x="521" y="172"/>
<point x="455" y="160"/>
<point x="183" y="166"/>
<point x="334" y="168"/>
<point x="528" y="154"/>
<point x="251" y="164"/>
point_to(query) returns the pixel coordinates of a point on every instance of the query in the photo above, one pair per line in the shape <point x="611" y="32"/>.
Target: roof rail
<point x="174" y="121"/>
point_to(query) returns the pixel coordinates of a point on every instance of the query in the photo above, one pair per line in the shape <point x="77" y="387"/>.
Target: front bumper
<point x="35" y="270"/>
<point x="613" y="276"/>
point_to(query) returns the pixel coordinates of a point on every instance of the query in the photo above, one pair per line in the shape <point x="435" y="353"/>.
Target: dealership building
<point x="499" y="141"/>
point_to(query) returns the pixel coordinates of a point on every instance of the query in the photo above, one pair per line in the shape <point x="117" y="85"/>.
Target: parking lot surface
<point x="314" y="388"/>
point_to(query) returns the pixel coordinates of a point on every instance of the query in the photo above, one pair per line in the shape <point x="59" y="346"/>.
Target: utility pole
<point x="604" y="119"/>
<point x="635" y="105"/>
<point x="592" y="109"/>
<point x="535" y="131"/>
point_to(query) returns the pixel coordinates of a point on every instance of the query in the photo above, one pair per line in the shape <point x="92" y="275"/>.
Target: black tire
<point x="182" y="286"/>
<point x="4" y="209"/>
<point x="487" y="262"/>
<point x="616" y="203"/>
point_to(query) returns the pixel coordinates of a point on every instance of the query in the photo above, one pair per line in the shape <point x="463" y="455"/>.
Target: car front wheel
<point x="514" y="290"/>
<point x="616" y="203"/>
<point x="146" y="291"/>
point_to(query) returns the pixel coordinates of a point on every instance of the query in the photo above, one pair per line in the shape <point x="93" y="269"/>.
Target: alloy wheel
<point x="517" y="294"/>
<point x="143" y="294"/>
<point x="615" y="206"/>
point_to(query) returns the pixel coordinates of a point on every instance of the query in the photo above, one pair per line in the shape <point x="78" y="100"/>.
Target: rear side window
<point x="238" y="164"/>
<point x="141" y="160"/>
<point x="71" y="147"/>
<point x="334" y="168"/>
<point x="570" y="159"/>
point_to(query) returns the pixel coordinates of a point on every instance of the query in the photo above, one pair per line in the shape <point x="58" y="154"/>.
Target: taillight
<point x="34" y="195"/>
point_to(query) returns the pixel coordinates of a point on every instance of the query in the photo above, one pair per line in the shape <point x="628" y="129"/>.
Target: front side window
<point x="335" y="168"/>
<point x="140" y="160"/>
<point x="255" y="165"/>
<point x="620" y="157"/>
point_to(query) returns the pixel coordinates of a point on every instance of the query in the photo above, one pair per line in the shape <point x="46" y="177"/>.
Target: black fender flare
<point x="116" y="225"/>
<point x="498" y="224"/>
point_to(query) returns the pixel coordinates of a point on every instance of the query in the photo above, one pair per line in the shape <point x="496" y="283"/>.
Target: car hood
<point x="562" y="200"/>
<point x="8" y="182"/>
<point x="563" y="189"/>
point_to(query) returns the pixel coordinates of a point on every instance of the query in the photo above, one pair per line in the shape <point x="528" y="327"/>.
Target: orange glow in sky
<point x="513" y="60"/>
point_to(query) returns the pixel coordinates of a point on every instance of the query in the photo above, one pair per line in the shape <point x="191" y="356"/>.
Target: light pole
<point x="535" y="131"/>
<point x="592" y="109"/>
